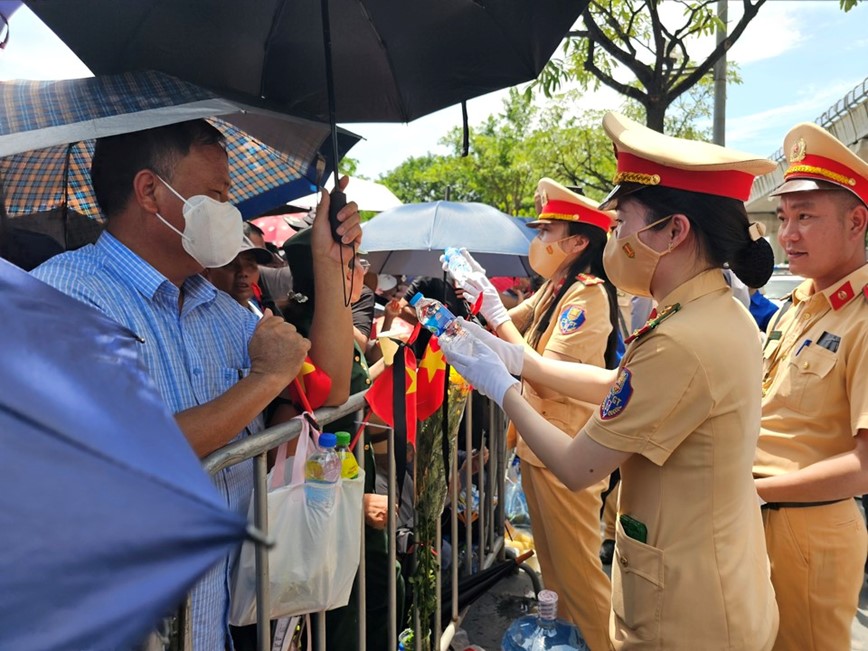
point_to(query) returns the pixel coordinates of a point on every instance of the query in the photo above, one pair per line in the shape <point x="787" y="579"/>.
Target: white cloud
<point x="763" y="131"/>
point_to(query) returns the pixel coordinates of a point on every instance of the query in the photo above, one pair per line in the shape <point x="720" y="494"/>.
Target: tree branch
<point x="598" y="37"/>
<point x="750" y="11"/>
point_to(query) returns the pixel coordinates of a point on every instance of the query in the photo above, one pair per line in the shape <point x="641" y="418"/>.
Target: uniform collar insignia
<point x="653" y="321"/>
<point x="841" y="295"/>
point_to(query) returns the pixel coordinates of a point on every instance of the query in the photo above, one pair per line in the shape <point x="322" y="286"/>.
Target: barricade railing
<point x="489" y="516"/>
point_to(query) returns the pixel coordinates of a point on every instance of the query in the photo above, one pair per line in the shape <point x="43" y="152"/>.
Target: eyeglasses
<point x="362" y="263"/>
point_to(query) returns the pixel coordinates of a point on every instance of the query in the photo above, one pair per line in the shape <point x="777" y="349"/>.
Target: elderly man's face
<point x="204" y="170"/>
<point x="236" y="278"/>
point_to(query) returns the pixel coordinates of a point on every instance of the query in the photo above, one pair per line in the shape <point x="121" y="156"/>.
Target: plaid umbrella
<point x="47" y="131"/>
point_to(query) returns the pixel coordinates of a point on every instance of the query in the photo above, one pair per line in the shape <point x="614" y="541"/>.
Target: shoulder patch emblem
<point x="571" y="319"/>
<point x="619" y="395"/>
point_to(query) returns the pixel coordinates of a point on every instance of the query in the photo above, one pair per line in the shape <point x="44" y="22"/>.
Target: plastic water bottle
<point x="436" y="317"/>
<point x="322" y="471"/>
<point x="543" y="631"/>
<point x="457" y="265"/>
<point x="349" y="465"/>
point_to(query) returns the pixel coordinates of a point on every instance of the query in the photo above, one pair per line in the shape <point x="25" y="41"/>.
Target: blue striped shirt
<point x="193" y="357"/>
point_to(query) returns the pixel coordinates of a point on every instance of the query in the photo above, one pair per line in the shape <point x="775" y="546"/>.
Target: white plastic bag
<point x="316" y="556"/>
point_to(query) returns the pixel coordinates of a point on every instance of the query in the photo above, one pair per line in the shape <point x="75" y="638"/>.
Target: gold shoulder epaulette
<point x="588" y="279"/>
<point x="653" y="322"/>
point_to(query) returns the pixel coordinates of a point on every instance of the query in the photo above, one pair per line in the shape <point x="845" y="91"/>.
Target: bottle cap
<point x="416" y="298"/>
<point x="343" y="438"/>
<point x="327" y="440"/>
<point x="548" y="604"/>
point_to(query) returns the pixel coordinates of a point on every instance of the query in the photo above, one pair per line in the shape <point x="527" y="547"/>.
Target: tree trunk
<point x="655" y="112"/>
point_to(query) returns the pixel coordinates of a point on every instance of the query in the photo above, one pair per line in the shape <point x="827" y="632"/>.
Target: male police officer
<point x="812" y="455"/>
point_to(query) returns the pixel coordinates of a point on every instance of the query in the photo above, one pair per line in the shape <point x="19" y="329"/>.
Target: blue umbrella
<point x="106" y="516"/>
<point x="47" y="130"/>
<point x="410" y="238"/>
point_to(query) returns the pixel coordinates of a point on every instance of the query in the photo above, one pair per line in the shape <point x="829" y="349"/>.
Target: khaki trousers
<point x="566" y="535"/>
<point x="817" y="556"/>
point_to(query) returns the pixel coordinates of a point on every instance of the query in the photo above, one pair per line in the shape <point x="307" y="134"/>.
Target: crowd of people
<point x="738" y="430"/>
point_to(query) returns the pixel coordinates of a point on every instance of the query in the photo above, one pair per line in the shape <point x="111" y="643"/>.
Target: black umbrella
<point x="371" y="61"/>
<point x="393" y="61"/>
<point x="473" y="586"/>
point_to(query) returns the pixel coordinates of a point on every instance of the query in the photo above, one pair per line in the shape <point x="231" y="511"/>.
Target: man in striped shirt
<point x="216" y="365"/>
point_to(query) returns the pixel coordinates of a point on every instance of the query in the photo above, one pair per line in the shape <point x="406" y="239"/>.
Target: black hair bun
<point x="754" y="263"/>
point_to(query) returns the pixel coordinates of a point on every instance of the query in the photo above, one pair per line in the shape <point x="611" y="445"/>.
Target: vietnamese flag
<point x="430" y="380"/>
<point x="381" y="395"/>
<point x="313" y="382"/>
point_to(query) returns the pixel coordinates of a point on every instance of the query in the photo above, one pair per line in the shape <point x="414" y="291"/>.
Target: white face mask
<point x="213" y="230"/>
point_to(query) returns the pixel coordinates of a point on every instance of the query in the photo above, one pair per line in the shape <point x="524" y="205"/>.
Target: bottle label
<point x="437" y="321"/>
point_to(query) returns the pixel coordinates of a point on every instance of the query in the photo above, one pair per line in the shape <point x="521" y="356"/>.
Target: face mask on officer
<point x="630" y="263"/>
<point x="213" y="230"/>
<point x="545" y="258"/>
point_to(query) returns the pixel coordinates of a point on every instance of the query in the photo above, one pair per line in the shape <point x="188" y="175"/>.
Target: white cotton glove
<point x="477" y="283"/>
<point x="512" y="355"/>
<point x="479" y="365"/>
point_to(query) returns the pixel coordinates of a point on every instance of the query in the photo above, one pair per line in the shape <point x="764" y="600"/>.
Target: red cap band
<point x="724" y="183"/>
<point x="820" y="168"/>
<point x="575" y="212"/>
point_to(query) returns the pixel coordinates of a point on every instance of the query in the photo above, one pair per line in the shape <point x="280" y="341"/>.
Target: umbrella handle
<point x="338" y="200"/>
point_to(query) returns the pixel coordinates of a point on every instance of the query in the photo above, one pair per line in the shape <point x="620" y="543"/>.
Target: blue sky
<point x="797" y="58"/>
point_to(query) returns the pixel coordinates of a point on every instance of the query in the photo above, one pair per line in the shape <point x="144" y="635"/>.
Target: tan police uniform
<point x="690" y="569"/>
<point x="566" y="523"/>
<point x="815" y="401"/>
<point x="697" y="581"/>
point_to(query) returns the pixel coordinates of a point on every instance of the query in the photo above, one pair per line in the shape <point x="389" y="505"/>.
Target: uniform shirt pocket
<point x="807" y="373"/>
<point x="637" y="585"/>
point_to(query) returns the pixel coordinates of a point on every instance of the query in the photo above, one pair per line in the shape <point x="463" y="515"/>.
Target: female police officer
<point x="681" y="414"/>
<point x="572" y="317"/>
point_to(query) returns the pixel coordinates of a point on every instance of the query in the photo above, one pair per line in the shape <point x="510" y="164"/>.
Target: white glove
<point x="477" y="283"/>
<point x="512" y="355"/>
<point x="479" y="365"/>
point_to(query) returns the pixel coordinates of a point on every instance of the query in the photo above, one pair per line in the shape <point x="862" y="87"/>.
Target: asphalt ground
<point x="488" y="618"/>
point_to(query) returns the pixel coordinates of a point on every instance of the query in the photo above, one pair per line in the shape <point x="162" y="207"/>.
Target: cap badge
<point x="544" y="197"/>
<point x="798" y="151"/>
<point x="629" y="250"/>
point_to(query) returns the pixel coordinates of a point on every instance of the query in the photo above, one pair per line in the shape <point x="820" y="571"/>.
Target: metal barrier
<point x="491" y="478"/>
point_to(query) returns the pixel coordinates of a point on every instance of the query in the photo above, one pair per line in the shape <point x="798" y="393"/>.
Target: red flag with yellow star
<point x="381" y="395"/>
<point x="314" y="383"/>
<point x="430" y="380"/>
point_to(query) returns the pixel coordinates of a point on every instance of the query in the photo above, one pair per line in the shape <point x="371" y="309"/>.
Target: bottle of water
<point x="322" y="471"/>
<point x="457" y="265"/>
<point x="436" y="317"/>
<point x="349" y="465"/>
<point x="543" y="631"/>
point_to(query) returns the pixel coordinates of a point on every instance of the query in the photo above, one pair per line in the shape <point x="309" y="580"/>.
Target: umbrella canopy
<point x="368" y="195"/>
<point x="47" y="132"/>
<point x="409" y="239"/>
<point x="393" y="61"/>
<point x="279" y="228"/>
<point x="472" y="586"/>
<point x="106" y="517"/>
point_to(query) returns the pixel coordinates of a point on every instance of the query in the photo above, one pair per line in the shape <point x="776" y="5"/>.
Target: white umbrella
<point x="409" y="239"/>
<point x="369" y="195"/>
